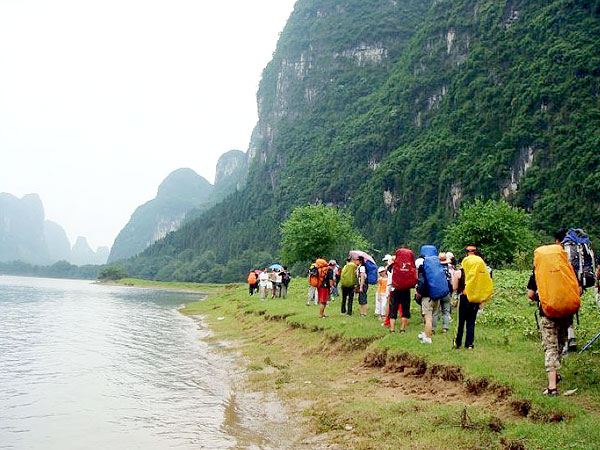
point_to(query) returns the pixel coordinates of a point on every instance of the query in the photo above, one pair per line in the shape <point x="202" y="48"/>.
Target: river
<point x="89" y="366"/>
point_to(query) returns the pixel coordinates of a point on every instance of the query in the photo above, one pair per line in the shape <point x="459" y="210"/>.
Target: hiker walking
<point x="252" y="279"/>
<point x="348" y="281"/>
<point x="336" y="278"/>
<point x="325" y="285"/>
<point x="285" y="281"/>
<point x="275" y="280"/>
<point x="263" y="283"/>
<point x="578" y="246"/>
<point x="402" y="277"/>
<point x="475" y="286"/>
<point x="555" y="286"/>
<point x="444" y="309"/>
<point x="313" y="282"/>
<point x="432" y="286"/>
<point x="363" y="285"/>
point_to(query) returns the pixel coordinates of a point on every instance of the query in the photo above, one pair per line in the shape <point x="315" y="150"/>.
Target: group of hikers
<point x="275" y="282"/>
<point x="561" y="272"/>
<point x="434" y="276"/>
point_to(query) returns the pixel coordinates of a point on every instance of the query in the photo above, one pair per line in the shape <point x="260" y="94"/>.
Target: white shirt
<point x="263" y="279"/>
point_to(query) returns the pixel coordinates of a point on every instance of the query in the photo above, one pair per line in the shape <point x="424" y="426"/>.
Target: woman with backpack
<point x="475" y="286"/>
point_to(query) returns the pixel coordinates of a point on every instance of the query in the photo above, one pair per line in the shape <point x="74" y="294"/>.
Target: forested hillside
<point x="402" y="111"/>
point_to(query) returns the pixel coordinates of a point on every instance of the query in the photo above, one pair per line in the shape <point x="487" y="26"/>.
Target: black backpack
<point x="578" y="246"/>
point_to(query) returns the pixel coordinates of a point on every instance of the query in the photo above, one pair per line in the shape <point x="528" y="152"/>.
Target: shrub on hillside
<point x="501" y="231"/>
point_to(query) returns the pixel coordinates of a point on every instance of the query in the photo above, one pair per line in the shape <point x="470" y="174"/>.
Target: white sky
<point x="101" y="99"/>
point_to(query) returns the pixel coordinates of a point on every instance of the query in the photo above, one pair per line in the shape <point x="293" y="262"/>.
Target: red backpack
<point x="404" y="271"/>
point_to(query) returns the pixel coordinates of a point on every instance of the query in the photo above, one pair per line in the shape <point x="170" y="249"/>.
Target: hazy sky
<point x="101" y="100"/>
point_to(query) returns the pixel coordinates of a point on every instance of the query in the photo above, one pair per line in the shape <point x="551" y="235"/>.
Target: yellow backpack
<point x="478" y="282"/>
<point x="558" y="289"/>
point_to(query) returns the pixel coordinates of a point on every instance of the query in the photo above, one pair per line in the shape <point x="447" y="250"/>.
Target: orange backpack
<point x="322" y="267"/>
<point x="558" y="289"/>
<point x="251" y="278"/>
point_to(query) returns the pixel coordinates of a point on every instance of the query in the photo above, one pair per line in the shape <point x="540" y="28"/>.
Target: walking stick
<point x="588" y="345"/>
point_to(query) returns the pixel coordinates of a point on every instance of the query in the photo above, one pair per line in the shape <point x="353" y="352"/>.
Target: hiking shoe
<point x="426" y="340"/>
<point x="421" y="335"/>
<point x="572" y="345"/>
<point x="550" y="392"/>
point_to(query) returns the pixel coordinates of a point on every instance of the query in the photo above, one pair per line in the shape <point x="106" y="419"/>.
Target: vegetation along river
<point x="84" y="365"/>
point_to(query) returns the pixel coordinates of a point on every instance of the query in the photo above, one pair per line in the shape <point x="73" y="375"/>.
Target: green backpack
<point x="348" y="278"/>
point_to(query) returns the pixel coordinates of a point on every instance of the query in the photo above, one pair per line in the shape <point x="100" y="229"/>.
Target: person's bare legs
<point x="363" y="310"/>
<point x="552" y="379"/>
<point x="428" y="325"/>
<point x="322" y="309"/>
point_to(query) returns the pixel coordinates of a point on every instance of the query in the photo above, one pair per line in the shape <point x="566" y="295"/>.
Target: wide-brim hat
<point x="387" y="257"/>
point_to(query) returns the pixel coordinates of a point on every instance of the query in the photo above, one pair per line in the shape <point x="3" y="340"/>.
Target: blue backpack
<point x="372" y="276"/>
<point x="435" y="274"/>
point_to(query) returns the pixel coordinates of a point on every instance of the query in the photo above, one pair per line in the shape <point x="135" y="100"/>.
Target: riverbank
<point x="354" y="385"/>
<point x="198" y="288"/>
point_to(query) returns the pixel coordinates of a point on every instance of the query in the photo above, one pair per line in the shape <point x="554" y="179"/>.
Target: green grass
<point x="204" y="288"/>
<point x="507" y="354"/>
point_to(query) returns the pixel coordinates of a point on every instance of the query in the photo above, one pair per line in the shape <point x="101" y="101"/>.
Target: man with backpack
<point x="252" y="279"/>
<point x="555" y="286"/>
<point x="313" y="282"/>
<point x="348" y="281"/>
<point x="401" y="279"/>
<point x="475" y="285"/>
<point x="445" y="308"/>
<point x="285" y="281"/>
<point x="578" y="246"/>
<point x="432" y="286"/>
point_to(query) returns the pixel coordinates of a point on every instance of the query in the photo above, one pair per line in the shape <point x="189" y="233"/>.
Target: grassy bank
<point x="203" y="288"/>
<point x="362" y="387"/>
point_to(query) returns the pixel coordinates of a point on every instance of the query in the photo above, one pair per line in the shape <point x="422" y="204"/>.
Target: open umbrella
<point x="354" y="254"/>
<point x="370" y="264"/>
<point x="276" y="266"/>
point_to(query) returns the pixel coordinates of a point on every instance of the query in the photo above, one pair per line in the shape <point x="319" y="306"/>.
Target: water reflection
<point x="89" y="366"/>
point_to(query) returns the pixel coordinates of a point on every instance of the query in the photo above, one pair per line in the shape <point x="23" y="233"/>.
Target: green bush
<point x="499" y="230"/>
<point x="318" y="231"/>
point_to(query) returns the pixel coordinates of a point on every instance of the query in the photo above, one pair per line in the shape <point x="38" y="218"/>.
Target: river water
<point x="88" y="366"/>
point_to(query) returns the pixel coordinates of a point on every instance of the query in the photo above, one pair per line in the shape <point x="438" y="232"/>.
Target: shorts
<point x="362" y="296"/>
<point x="554" y="337"/>
<point x="323" y="294"/>
<point x="400" y="298"/>
<point x="429" y="305"/>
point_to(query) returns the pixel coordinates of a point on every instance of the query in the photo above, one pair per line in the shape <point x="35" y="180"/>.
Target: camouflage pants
<point x="554" y="336"/>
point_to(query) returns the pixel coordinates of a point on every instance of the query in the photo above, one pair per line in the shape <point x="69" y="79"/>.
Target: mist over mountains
<point x="399" y="113"/>
<point x="183" y="195"/>
<point x="25" y="235"/>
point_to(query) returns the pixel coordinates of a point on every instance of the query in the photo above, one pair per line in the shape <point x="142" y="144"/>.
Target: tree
<point x="499" y="230"/>
<point x="112" y="272"/>
<point x="318" y="231"/>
